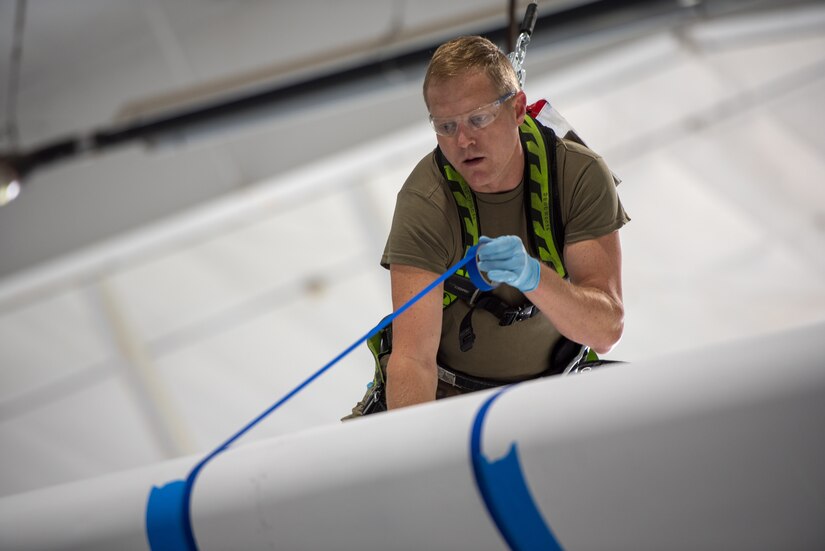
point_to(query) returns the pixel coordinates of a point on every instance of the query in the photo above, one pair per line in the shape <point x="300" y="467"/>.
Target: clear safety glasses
<point x="476" y="119"/>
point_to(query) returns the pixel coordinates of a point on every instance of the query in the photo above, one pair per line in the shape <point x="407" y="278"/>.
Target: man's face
<point x="490" y="159"/>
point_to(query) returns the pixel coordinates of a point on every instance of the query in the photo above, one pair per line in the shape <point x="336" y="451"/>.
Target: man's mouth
<point x="472" y="161"/>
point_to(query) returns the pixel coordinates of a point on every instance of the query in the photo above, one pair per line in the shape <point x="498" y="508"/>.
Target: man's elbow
<point x="611" y="336"/>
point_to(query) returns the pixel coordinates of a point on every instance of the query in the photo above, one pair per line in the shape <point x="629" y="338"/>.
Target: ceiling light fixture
<point x="9" y="183"/>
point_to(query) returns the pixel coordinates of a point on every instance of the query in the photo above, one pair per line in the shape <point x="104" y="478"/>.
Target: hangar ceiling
<point x="156" y="296"/>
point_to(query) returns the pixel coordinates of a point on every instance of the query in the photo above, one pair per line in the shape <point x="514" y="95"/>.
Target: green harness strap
<point x="543" y="205"/>
<point x="465" y="202"/>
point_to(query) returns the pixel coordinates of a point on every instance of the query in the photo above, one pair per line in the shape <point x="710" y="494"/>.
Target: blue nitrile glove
<point x="505" y="260"/>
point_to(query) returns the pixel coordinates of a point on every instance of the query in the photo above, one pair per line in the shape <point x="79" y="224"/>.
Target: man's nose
<point x="464" y="135"/>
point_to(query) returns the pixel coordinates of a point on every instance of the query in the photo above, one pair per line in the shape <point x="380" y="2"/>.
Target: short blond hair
<point x="469" y="53"/>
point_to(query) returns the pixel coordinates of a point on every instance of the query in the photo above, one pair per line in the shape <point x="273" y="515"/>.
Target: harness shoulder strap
<point x="542" y="195"/>
<point x="465" y="202"/>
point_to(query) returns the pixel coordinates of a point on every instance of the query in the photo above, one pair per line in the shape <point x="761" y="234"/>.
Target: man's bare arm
<point x="411" y="372"/>
<point x="588" y="308"/>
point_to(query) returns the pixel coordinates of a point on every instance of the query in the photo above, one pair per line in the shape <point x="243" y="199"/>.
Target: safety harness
<point x="543" y="211"/>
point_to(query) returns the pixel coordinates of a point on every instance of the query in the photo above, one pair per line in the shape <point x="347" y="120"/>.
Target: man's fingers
<point x="503" y="276"/>
<point x="494" y="264"/>
<point x="498" y="249"/>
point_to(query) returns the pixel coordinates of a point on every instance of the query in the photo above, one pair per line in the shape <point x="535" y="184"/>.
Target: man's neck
<point x="515" y="172"/>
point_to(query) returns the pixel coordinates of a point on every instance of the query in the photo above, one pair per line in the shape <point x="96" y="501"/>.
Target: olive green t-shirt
<point x="426" y="233"/>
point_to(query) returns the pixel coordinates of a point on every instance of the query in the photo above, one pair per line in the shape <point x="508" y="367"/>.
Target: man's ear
<point x="520" y="106"/>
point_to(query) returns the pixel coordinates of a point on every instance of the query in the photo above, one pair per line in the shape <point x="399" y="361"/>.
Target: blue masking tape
<point x="169" y="508"/>
<point x="167" y="525"/>
<point x="506" y="494"/>
<point x="477" y="278"/>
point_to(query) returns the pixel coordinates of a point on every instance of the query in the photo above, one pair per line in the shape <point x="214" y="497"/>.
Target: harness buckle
<point x="517" y="313"/>
<point x="446" y="376"/>
<point x="474" y="297"/>
<point x="466" y="335"/>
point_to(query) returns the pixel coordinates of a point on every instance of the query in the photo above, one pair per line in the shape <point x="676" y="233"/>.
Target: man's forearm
<point x="588" y="307"/>
<point x="409" y="382"/>
<point x="583" y="314"/>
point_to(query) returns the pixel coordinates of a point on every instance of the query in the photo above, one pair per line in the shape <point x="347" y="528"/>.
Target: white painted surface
<point x="718" y="448"/>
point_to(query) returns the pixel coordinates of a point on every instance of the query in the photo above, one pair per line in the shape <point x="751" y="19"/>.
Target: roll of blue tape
<point x="477" y="277"/>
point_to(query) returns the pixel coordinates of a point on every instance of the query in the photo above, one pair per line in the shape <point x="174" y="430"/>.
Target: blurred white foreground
<point x="719" y="448"/>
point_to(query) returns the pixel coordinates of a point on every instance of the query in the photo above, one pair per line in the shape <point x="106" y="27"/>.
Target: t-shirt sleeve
<point x="594" y="208"/>
<point x="421" y="234"/>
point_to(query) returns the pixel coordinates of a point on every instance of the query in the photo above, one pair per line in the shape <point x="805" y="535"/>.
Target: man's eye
<point x="446" y="127"/>
<point x="481" y="120"/>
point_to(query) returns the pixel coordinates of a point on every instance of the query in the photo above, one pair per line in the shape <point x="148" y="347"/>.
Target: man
<point x="476" y="108"/>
